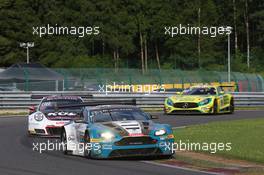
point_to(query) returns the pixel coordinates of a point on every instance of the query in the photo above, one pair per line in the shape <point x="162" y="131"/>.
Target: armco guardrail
<point x="22" y="100"/>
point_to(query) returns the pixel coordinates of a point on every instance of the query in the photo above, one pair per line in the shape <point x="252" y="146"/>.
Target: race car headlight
<point x="205" y="101"/>
<point x="38" y="116"/>
<point x="160" y="132"/>
<point x="169" y="102"/>
<point x="108" y="136"/>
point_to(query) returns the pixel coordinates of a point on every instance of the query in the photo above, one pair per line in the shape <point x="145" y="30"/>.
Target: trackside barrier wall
<point x="86" y="79"/>
<point x="22" y="100"/>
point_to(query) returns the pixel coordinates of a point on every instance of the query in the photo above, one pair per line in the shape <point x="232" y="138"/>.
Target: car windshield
<point x="200" y="91"/>
<point x="118" y="115"/>
<point x="51" y="105"/>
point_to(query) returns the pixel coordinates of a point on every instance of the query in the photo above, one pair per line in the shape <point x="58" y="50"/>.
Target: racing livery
<point x="116" y="131"/>
<point x="203" y="99"/>
<point x="46" y="119"/>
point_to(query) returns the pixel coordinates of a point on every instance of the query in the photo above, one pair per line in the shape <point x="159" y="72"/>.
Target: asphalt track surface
<point x="18" y="158"/>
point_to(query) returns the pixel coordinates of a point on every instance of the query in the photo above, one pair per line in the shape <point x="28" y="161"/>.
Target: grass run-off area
<point x="246" y="138"/>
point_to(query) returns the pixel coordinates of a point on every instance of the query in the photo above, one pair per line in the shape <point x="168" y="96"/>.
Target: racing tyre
<point x="232" y="106"/>
<point x="30" y="135"/>
<point x="167" y="156"/>
<point x="164" y="111"/>
<point x="87" y="152"/>
<point x="64" y="141"/>
<point x="215" y="107"/>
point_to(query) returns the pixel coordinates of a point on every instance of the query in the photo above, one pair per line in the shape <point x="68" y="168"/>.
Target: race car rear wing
<point x="97" y="103"/>
<point x="40" y="96"/>
<point x="228" y="88"/>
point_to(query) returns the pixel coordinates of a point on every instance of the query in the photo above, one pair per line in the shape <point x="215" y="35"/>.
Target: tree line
<point x="132" y="33"/>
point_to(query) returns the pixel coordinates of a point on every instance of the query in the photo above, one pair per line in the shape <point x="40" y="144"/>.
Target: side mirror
<point x="154" y="117"/>
<point x="32" y="109"/>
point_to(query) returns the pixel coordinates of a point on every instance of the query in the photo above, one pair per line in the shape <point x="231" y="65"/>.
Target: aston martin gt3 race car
<point x="46" y="119"/>
<point x="203" y="99"/>
<point x="110" y="131"/>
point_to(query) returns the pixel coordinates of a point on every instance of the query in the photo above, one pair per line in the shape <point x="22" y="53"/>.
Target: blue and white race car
<point x="109" y="131"/>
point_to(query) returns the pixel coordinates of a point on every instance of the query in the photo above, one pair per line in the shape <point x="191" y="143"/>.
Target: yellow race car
<point x="203" y="99"/>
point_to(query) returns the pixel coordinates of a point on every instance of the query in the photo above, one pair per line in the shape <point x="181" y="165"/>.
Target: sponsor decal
<point x="55" y="114"/>
<point x="60" y="123"/>
<point x="136" y="134"/>
<point x="96" y="140"/>
<point x="74" y="98"/>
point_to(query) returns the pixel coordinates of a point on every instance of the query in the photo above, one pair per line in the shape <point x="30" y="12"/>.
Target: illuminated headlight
<point x="169" y="102"/>
<point x="38" y="116"/>
<point x="160" y="132"/>
<point x="205" y="101"/>
<point x="108" y="136"/>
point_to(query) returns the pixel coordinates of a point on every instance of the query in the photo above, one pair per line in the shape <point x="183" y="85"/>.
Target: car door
<point x="220" y="93"/>
<point x="226" y="100"/>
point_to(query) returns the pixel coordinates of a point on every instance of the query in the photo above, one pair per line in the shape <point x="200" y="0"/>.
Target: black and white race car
<point x="46" y="119"/>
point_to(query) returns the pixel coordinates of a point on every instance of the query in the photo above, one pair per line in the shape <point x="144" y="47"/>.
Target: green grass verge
<point x="13" y="112"/>
<point x="5" y="114"/>
<point x="250" y="108"/>
<point x="246" y="137"/>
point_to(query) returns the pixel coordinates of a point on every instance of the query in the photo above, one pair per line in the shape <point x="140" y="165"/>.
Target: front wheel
<point x="29" y="134"/>
<point x="215" y="107"/>
<point x="232" y="106"/>
<point x="167" y="156"/>
<point x="64" y="141"/>
<point x="164" y="111"/>
<point x="87" y="147"/>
